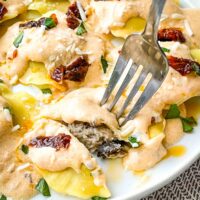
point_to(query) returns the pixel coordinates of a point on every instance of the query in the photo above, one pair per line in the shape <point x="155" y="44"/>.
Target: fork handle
<point x="154" y="19"/>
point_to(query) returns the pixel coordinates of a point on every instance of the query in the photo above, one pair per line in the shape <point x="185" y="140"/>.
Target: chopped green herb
<point x="104" y="64"/>
<point x="43" y="188"/>
<point x="18" y="39"/>
<point x="4" y="0"/>
<point x="46" y="91"/>
<point x="49" y="23"/>
<point x="81" y="29"/>
<point x="165" y="50"/>
<point x="188" y="124"/>
<point x="25" y="149"/>
<point x="1" y="81"/>
<point x="196" y="69"/>
<point x="134" y="141"/>
<point x="3" y="197"/>
<point x="98" y="198"/>
<point x="173" y="112"/>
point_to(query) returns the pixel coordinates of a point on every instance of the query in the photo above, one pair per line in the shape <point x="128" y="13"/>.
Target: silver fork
<point x="142" y="49"/>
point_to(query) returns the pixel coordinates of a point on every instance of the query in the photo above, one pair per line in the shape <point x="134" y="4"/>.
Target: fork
<point x="139" y="50"/>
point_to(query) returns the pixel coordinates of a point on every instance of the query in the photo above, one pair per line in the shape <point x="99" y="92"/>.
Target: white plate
<point x="126" y="185"/>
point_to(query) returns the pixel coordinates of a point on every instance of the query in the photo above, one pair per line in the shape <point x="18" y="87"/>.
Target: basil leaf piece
<point x="49" y="23"/>
<point x="98" y="198"/>
<point x="165" y="50"/>
<point x="134" y="141"/>
<point x="18" y="39"/>
<point x="173" y="112"/>
<point x="104" y="64"/>
<point x="3" y="197"/>
<point x="43" y="188"/>
<point x="81" y="29"/>
<point x="46" y="91"/>
<point x="196" y="68"/>
<point x="25" y="149"/>
<point x="188" y="124"/>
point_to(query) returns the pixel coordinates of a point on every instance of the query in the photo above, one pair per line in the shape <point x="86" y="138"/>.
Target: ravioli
<point x="63" y="159"/>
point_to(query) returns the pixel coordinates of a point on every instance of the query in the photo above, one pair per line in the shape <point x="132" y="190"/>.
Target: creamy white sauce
<point x="81" y="105"/>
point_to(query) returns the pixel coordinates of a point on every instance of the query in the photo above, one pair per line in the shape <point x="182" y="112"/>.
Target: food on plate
<point x="56" y="58"/>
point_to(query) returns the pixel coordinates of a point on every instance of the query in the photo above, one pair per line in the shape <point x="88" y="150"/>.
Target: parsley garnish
<point x="104" y="64"/>
<point x="196" y="68"/>
<point x="187" y="122"/>
<point x="3" y="197"/>
<point x="46" y="91"/>
<point x="173" y="112"/>
<point x="81" y="29"/>
<point x="18" y="39"/>
<point x="49" y="23"/>
<point x="25" y="149"/>
<point x="98" y="198"/>
<point x="43" y="188"/>
<point x="134" y="141"/>
<point x="165" y="50"/>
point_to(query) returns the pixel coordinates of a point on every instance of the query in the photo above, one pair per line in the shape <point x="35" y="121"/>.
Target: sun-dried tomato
<point x="59" y="141"/>
<point x="76" y="71"/>
<point x="171" y="34"/>
<point x="3" y="10"/>
<point x="183" y="66"/>
<point x="14" y="55"/>
<point x="73" y="16"/>
<point x="73" y="8"/>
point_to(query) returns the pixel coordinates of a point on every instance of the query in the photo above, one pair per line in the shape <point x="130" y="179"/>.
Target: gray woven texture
<point x="185" y="187"/>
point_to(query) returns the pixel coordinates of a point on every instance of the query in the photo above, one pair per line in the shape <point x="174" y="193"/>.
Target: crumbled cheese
<point x="81" y="11"/>
<point x="134" y="145"/>
<point x="90" y="164"/>
<point x="188" y="28"/>
<point x="15" y="128"/>
<point x="163" y="17"/>
<point x="11" y="168"/>
<point x="24" y="166"/>
<point x="14" y="79"/>
<point x="80" y="52"/>
<point x="177" y="16"/>
<point x="7" y="114"/>
<point x="175" y="46"/>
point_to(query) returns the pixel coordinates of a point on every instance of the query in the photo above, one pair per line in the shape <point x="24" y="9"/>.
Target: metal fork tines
<point x="139" y="51"/>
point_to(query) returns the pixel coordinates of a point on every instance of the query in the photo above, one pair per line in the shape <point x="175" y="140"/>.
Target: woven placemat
<point x="185" y="187"/>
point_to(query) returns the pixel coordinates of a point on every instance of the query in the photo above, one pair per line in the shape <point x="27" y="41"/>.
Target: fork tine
<point x="150" y="89"/>
<point x="124" y="84"/>
<point x="118" y="70"/>
<point x="133" y="92"/>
